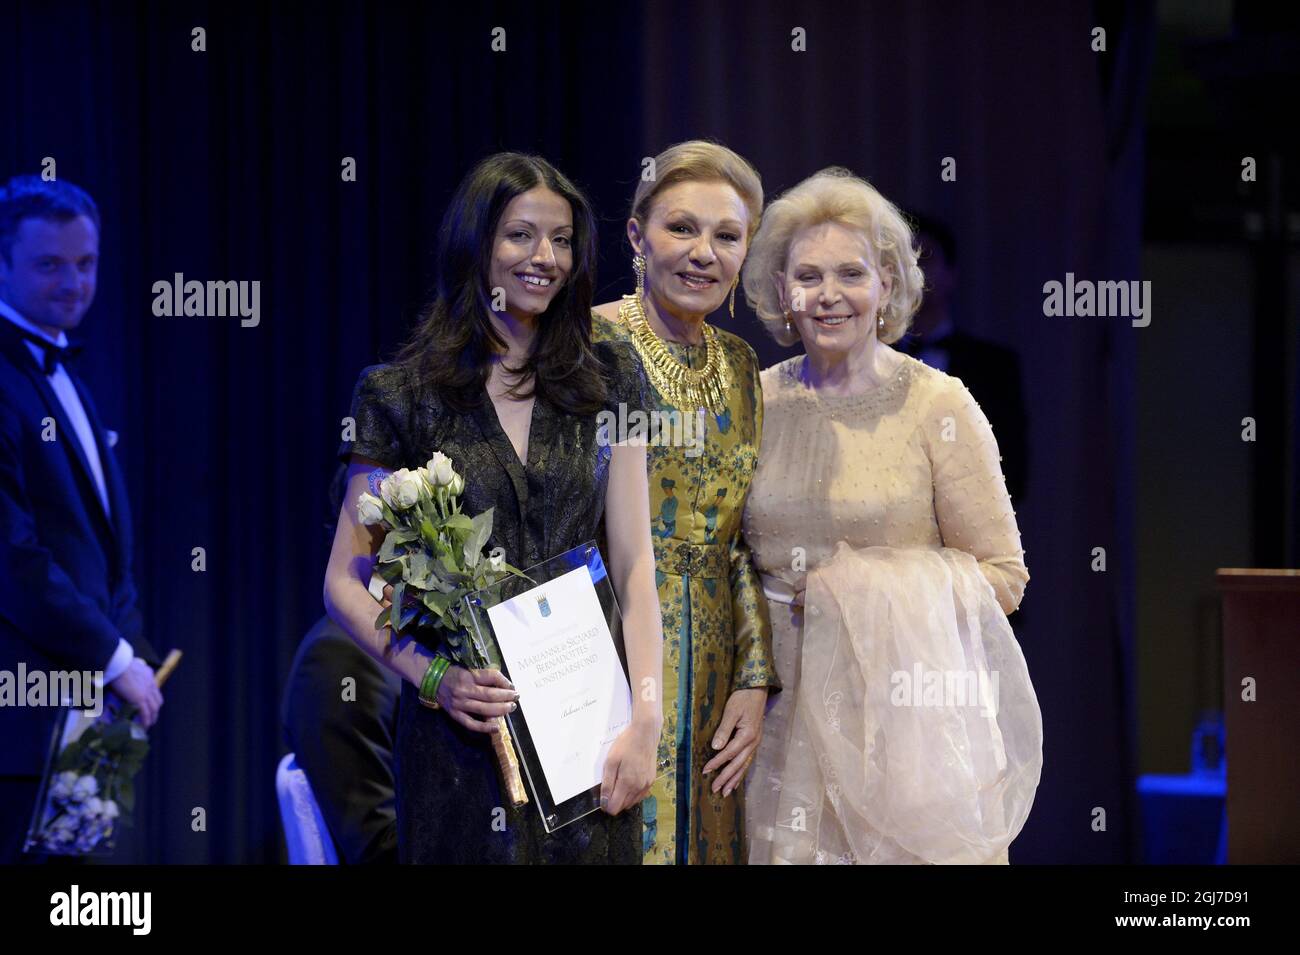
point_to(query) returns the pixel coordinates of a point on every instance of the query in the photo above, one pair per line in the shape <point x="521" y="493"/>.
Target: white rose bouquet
<point x="89" y="789"/>
<point x="433" y="557"/>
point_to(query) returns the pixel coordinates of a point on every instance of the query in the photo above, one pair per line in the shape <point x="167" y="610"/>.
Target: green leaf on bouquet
<point x="436" y="601"/>
<point x="382" y="620"/>
<point x="448" y="572"/>
<point x="461" y="648"/>
<point x="453" y="555"/>
<point x="388" y="549"/>
<point x="428" y="533"/>
<point x="419" y="570"/>
<point x="126" y="796"/>
<point x="482" y="530"/>
<point x="71" y="758"/>
<point x="459" y="522"/>
<point x="406" y="616"/>
<point x="117" y="735"/>
<point x="399" y="594"/>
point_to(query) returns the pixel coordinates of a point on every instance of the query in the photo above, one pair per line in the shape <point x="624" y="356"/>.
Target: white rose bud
<point x="457" y="486"/>
<point x="440" y="469"/>
<point x="496" y="561"/>
<point x="63" y="784"/>
<point x="370" y="509"/>
<point x="401" y="489"/>
<point x="86" y="787"/>
<point x="411" y="489"/>
<point x="388" y="489"/>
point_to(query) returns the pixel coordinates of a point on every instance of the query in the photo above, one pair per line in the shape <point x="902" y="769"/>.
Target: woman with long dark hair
<point x="502" y="376"/>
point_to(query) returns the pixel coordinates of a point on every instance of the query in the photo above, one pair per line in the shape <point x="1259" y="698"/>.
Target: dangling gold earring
<point x="880" y="323"/>
<point x="638" y="266"/>
<point x="789" y="325"/>
<point x="732" y="307"/>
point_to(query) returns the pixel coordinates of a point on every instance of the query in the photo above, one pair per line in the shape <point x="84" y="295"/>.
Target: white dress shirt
<point x="66" y="391"/>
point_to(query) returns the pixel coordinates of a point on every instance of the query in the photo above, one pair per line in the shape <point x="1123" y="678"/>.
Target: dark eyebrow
<point x="533" y="225"/>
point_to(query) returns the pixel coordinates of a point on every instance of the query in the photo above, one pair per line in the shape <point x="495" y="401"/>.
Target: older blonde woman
<point x="690" y="228"/>
<point x="908" y="731"/>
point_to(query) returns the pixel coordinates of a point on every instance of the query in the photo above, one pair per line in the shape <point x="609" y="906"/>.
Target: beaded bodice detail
<point x="910" y="463"/>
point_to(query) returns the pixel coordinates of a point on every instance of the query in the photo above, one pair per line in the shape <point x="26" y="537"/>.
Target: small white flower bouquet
<point x="432" y="555"/>
<point x="76" y="820"/>
<point x="89" y="788"/>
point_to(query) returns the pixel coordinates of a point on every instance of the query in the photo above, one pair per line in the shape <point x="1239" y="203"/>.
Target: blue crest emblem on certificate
<point x="543" y="605"/>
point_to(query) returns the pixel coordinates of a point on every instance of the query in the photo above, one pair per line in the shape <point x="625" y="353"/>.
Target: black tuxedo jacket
<point x="345" y="746"/>
<point x="66" y="590"/>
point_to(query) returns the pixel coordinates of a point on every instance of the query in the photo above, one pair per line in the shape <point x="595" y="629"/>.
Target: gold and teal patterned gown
<point x="717" y="635"/>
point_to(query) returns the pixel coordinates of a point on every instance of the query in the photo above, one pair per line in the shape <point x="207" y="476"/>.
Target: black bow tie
<point x="53" y="354"/>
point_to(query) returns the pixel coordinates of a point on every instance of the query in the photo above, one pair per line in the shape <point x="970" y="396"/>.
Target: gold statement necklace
<point x="683" y="387"/>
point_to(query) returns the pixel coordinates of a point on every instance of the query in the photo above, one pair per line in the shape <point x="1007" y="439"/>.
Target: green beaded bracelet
<point x="432" y="679"/>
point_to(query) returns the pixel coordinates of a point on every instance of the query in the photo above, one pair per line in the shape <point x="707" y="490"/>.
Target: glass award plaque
<point x="558" y="637"/>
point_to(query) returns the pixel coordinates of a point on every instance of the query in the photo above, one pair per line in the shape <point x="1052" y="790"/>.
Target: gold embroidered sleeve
<point x="754" y="664"/>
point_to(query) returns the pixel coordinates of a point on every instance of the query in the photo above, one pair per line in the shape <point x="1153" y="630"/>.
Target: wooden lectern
<point x="1261" y="643"/>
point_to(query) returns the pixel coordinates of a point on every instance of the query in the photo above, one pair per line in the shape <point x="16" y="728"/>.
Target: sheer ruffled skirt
<point x="908" y="730"/>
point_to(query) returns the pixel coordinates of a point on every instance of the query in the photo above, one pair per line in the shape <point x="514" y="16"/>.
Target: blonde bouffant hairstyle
<point x="834" y="195"/>
<point x="698" y="160"/>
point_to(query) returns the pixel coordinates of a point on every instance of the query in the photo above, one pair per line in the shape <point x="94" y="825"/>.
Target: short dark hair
<point x="31" y="197"/>
<point x="937" y="230"/>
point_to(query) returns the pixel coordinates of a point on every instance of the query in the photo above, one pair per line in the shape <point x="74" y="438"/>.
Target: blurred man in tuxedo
<point x="343" y="741"/>
<point x="991" y="372"/>
<point x="67" y="598"/>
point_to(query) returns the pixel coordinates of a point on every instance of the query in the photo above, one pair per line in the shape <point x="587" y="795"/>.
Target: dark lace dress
<point x="448" y="787"/>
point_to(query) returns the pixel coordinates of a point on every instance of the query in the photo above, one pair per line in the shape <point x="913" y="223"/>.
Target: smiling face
<point x="532" y="253"/>
<point x="833" y="289"/>
<point x="694" y="242"/>
<point x="49" y="277"/>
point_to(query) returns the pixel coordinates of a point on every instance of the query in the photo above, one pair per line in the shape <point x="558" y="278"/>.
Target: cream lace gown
<point x="908" y="730"/>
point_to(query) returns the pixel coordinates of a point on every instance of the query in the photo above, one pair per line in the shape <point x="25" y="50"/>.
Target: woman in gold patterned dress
<point x="690" y="227"/>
